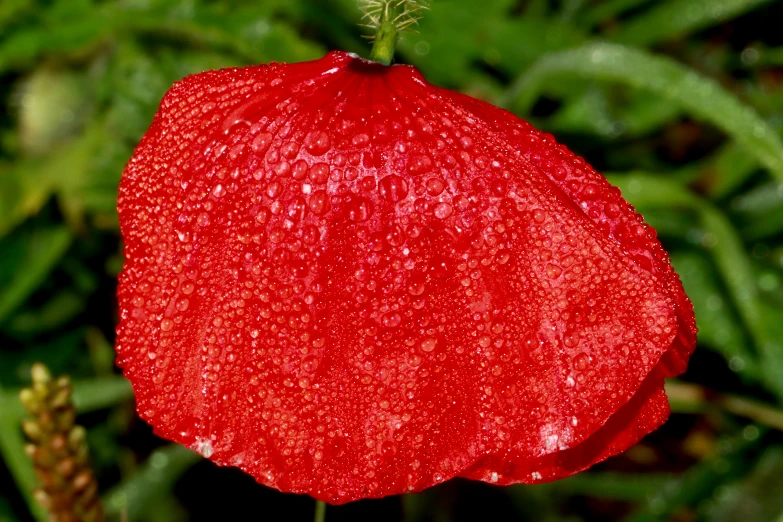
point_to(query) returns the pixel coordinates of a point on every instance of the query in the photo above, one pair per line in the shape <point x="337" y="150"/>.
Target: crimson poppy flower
<point x="351" y="283"/>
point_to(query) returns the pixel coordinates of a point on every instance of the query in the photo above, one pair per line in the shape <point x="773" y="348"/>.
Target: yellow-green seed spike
<point x="58" y="450"/>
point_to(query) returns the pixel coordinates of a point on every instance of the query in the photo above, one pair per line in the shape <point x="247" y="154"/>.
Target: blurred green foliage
<point x="680" y="100"/>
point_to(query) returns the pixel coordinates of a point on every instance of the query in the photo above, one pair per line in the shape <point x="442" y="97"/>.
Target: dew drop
<point x="434" y="187"/>
<point x="428" y="344"/>
<point x="359" y="210"/>
<point x="319" y="203"/>
<point x="319" y="173"/>
<point x="310" y="364"/>
<point x="360" y="140"/>
<point x="392" y="320"/>
<point x="443" y="210"/>
<point x="297" y="209"/>
<point x="581" y="361"/>
<point x="466" y="143"/>
<point x="274" y="189"/>
<point x="388" y="449"/>
<point x="440" y="267"/>
<point x="318" y="143"/>
<point x="419" y="164"/>
<point x="553" y="271"/>
<point x="393" y="188"/>
<point x="261" y="142"/>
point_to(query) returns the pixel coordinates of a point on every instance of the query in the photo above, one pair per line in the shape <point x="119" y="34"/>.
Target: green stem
<point x="320" y="511"/>
<point x="690" y="398"/>
<point x="385" y="38"/>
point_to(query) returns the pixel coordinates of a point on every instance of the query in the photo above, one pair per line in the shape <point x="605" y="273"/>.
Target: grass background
<point x="679" y="102"/>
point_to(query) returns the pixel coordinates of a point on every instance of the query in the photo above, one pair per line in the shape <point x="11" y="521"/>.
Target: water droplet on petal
<point x="435" y="187"/>
<point x="319" y="173"/>
<point x="261" y="142"/>
<point x="319" y="203"/>
<point x="443" y="210"/>
<point x="317" y="143"/>
<point x="419" y="164"/>
<point x="359" y="209"/>
<point x="393" y="188"/>
<point x="553" y="271"/>
<point x="429" y="344"/>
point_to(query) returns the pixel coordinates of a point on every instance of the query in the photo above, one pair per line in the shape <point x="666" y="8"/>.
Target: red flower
<point x="351" y="283"/>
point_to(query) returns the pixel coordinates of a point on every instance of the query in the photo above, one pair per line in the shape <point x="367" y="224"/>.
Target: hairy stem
<point x="389" y="18"/>
<point x="385" y="37"/>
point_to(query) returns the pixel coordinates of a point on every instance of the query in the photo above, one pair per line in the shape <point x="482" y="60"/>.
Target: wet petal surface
<point x="350" y="283"/>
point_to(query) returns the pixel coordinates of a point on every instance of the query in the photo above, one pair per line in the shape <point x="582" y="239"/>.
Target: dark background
<point x="682" y="106"/>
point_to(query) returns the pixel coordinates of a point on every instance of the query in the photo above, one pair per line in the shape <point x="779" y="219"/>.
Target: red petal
<point x="646" y="410"/>
<point x="350" y="284"/>
<point x="604" y="206"/>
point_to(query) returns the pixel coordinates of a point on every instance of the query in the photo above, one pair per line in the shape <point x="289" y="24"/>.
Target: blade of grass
<point x="88" y="394"/>
<point x="730" y="258"/>
<point x="698" y="95"/>
<point x="96" y="394"/>
<point x="731" y="166"/>
<point x="698" y="482"/>
<point x="756" y="497"/>
<point x="626" y="487"/>
<point x="12" y="450"/>
<point x="604" y="11"/>
<point x="673" y="18"/>
<point x="41" y="250"/>
<point x="691" y="398"/>
<point x="760" y="211"/>
<point x="134" y="496"/>
<point x="720" y="327"/>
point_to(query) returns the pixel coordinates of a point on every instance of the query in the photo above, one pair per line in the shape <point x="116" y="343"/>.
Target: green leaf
<point x="54" y="313"/>
<point x="755" y="498"/>
<point x="248" y="31"/>
<point x="24" y="188"/>
<point x="760" y="211"/>
<point x="95" y="394"/>
<point x="674" y="18"/>
<point x="727" y="170"/>
<point x="608" y="9"/>
<point x="699" y="96"/>
<point x="627" y="487"/>
<point x="65" y="171"/>
<point x="27" y="259"/>
<point x="448" y="41"/>
<point x="730" y="257"/>
<point x="134" y="496"/>
<point x="719" y="326"/>
<point x="598" y="110"/>
<point x="696" y="484"/>
<point x="12" y="450"/>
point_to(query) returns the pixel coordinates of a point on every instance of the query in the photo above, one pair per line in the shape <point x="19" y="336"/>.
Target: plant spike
<point x="58" y="449"/>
